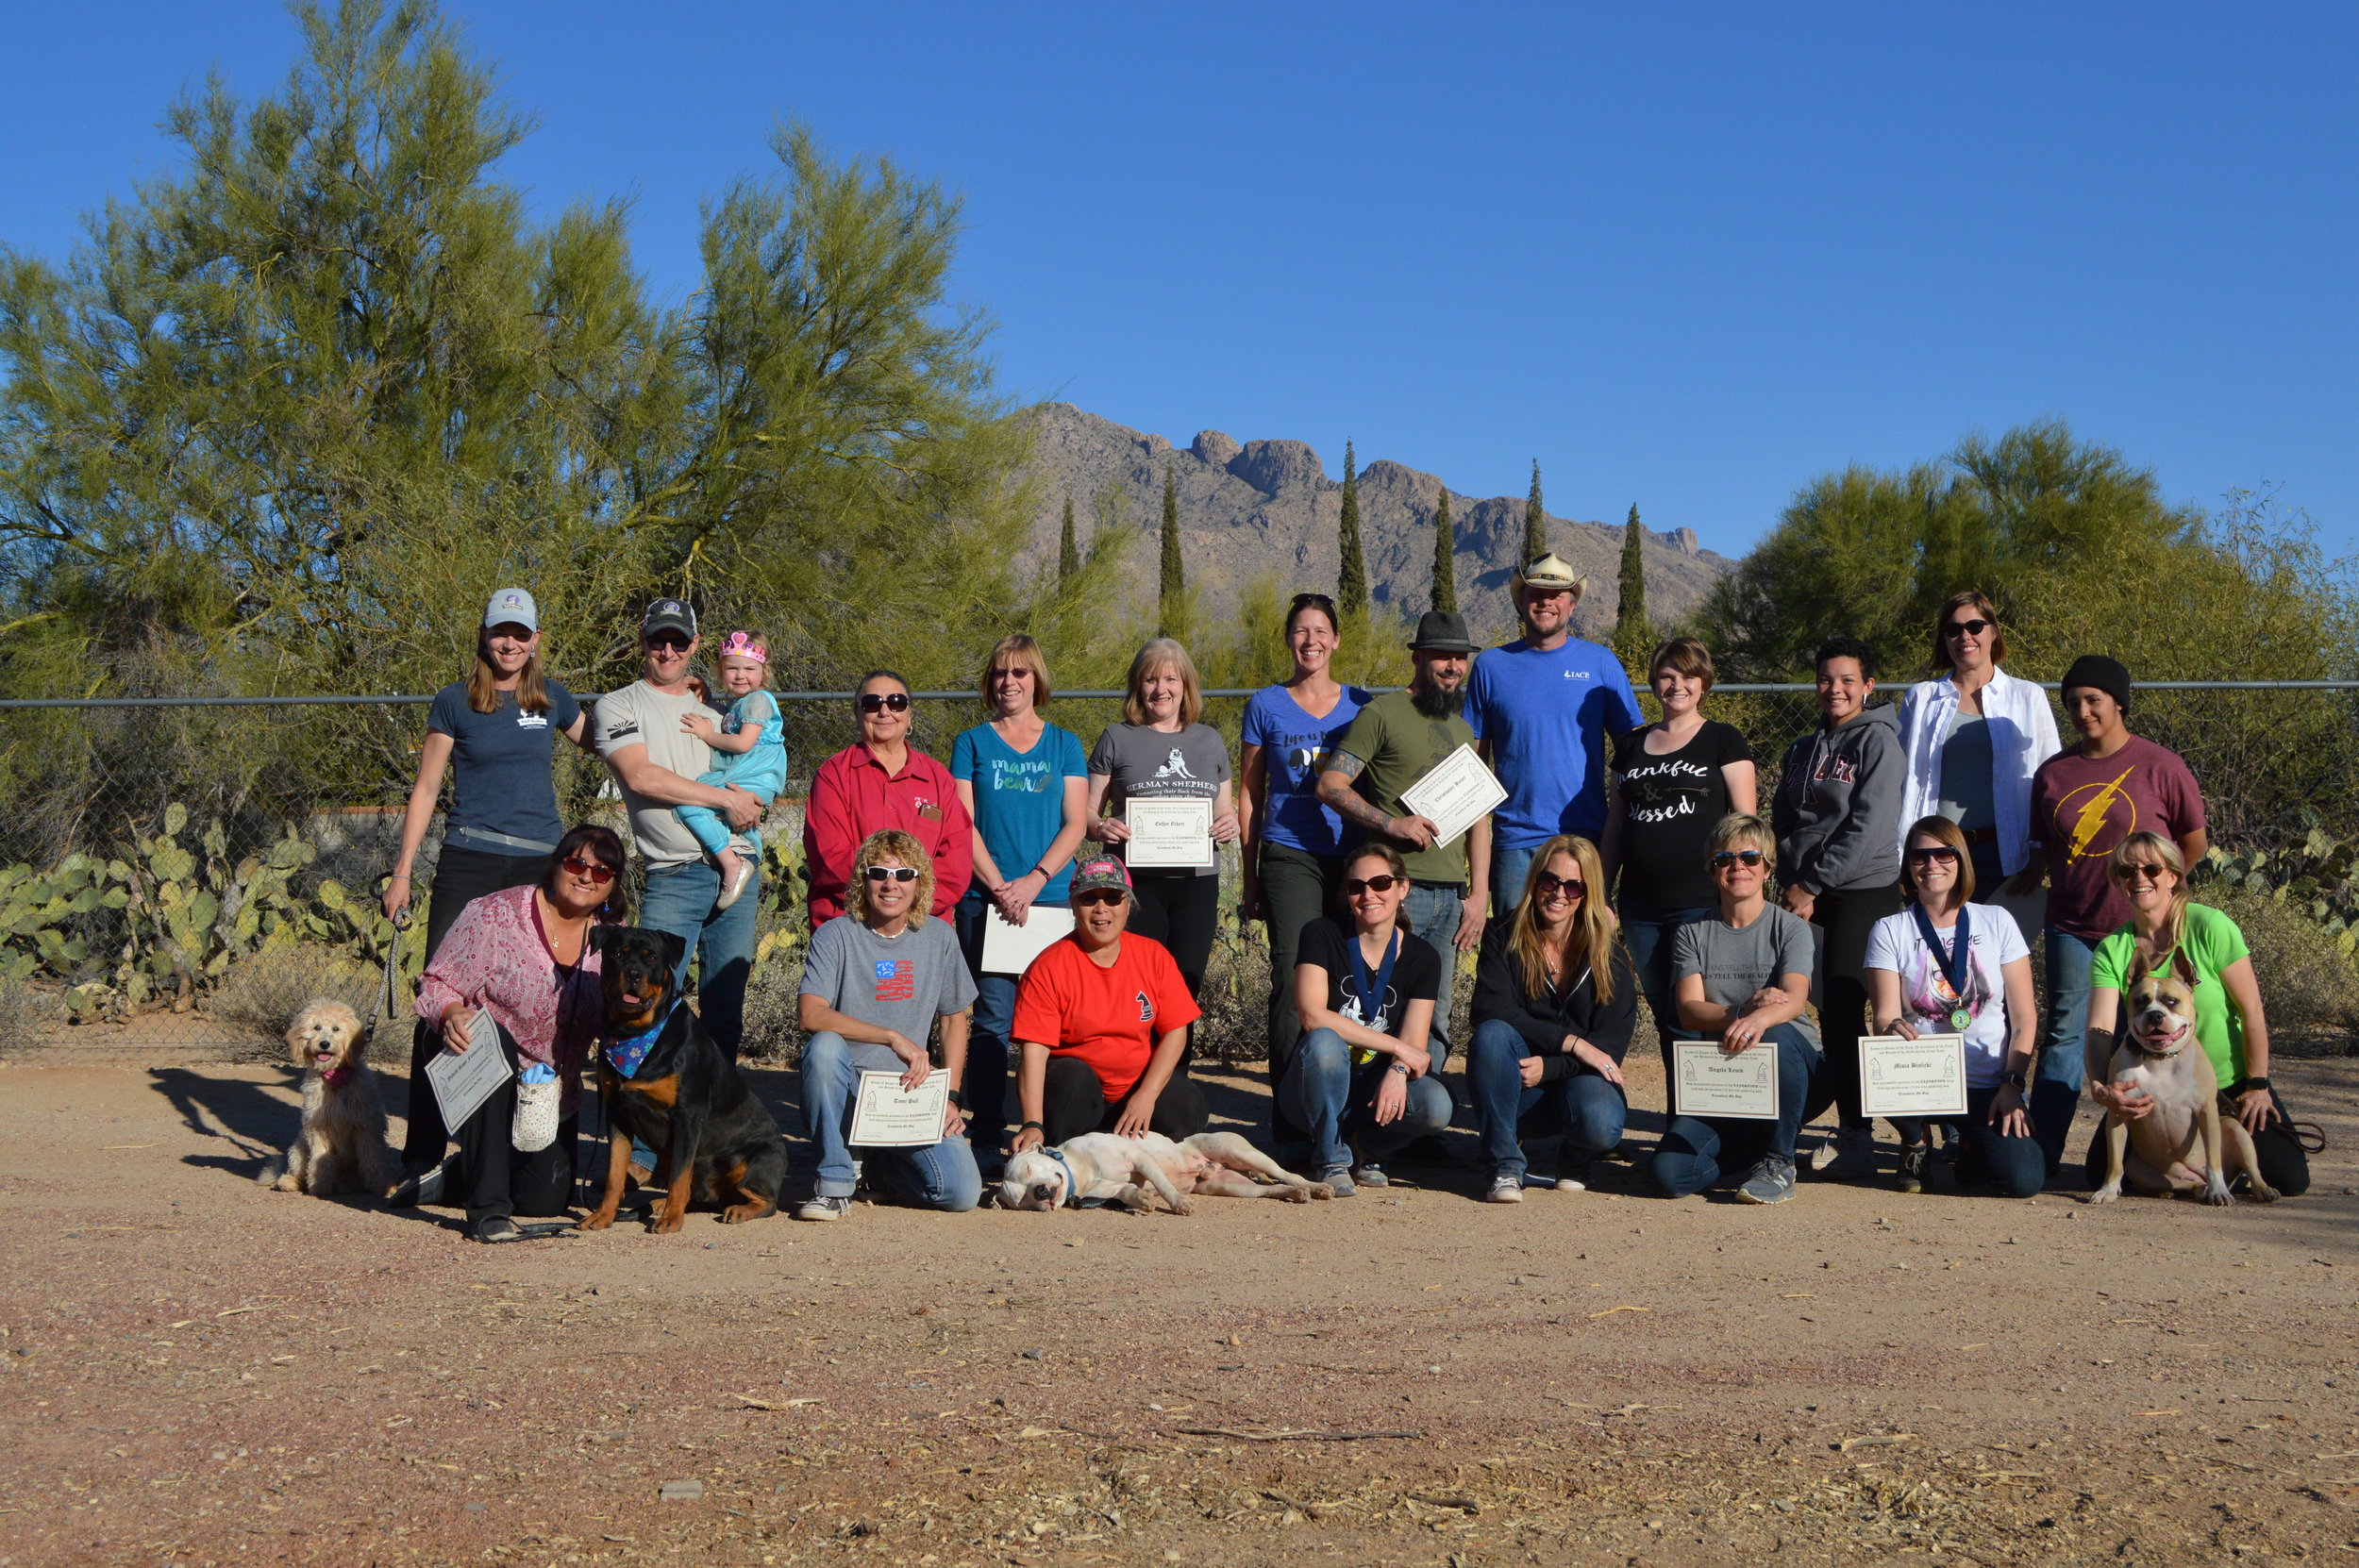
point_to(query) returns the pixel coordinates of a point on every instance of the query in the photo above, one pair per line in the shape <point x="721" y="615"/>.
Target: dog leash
<point x="387" y="999"/>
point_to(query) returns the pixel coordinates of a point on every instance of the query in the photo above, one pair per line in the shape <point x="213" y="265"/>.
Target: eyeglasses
<point x="1727" y="858"/>
<point x="891" y="874"/>
<point x="1014" y="672"/>
<point x="1934" y="854"/>
<point x="581" y="865"/>
<point x="1096" y="898"/>
<point x="1355" y="886"/>
<point x="879" y="702"/>
<point x="670" y="642"/>
<point x="1571" y="887"/>
<point x="1967" y="628"/>
<point x="2138" y="870"/>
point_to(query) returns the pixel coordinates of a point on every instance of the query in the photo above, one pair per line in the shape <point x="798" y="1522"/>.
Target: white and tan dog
<point x="340" y="1145"/>
<point x="2159" y="1056"/>
<point x="1103" y="1168"/>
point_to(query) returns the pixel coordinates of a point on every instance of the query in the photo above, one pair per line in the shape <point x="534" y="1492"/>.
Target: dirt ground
<point x="200" y="1371"/>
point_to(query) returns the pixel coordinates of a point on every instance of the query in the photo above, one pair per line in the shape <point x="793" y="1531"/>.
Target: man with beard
<point x="1396" y="740"/>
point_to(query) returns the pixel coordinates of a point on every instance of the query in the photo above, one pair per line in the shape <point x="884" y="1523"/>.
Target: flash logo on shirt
<point x="897" y="980"/>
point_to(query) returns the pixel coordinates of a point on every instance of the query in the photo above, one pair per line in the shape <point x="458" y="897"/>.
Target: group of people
<point x="1887" y="890"/>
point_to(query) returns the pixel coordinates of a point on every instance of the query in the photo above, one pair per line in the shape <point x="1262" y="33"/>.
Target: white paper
<point x="463" y="1080"/>
<point x="1925" y="1076"/>
<point x="1711" y="1082"/>
<point x="1010" y="949"/>
<point x="1458" y="792"/>
<point x="890" y="1117"/>
<point x="1168" y="833"/>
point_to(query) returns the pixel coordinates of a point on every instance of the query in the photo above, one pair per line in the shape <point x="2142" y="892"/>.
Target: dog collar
<point x="1072" y="1183"/>
<point x="336" y="1077"/>
<point x="626" y="1053"/>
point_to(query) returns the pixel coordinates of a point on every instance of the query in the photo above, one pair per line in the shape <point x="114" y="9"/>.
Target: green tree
<point x="1445" y="557"/>
<point x="1068" y="547"/>
<point x="1352" y="583"/>
<point x="1633" y="631"/>
<point x="1171" y="602"/>
<point x="1535" y="520"/>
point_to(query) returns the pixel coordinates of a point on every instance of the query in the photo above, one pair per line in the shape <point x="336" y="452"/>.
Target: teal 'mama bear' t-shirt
<point x="1019" y="797"/>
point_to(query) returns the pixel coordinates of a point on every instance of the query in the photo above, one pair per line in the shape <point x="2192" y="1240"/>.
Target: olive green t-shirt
<point x="2212" y="942"/>
<point x="1397" y="745"/>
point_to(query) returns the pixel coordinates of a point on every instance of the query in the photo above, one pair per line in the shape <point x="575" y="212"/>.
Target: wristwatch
<point x="2013" y="1080"/>
<point x="2260" y="1083"/>
<point x="1400" y="1067"/>
<point x="958" y="1097"/>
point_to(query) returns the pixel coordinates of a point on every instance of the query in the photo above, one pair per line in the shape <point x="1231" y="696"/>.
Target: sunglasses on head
<point x="670" y="642"/>
<point x="1355" y="886"/>
<point x="1727" y="858"/>
<point x="1095" y="897"/>
<point x="581" y="865"/>
<point x="880" y="702"/>
<point x="891" y="874"/>
<point x="1968" y="628"/>
<point x="1933" y="853"/>
<point x="1571" y="887"/>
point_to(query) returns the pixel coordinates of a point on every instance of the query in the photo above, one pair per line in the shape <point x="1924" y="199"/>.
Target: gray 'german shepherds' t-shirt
<point x="1159" y="764"/>
<point x="900" y="983"/>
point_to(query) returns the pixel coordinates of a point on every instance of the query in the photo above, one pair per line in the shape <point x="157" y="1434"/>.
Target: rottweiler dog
<point x="714" y="1141"/>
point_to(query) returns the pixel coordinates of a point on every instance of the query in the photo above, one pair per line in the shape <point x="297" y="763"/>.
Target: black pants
<point x="2284" y="1164"/>
<point x="460" y="878"/>
<point x="1183" y="914"/>
<point x="1074" y="1102"/>
<point x="491" y="1176"/>
<point x="1297" y="887"/>
<point x="1844" y="920"/>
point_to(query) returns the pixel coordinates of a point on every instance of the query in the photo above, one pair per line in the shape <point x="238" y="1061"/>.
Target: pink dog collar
<point x="336" y="1077"/>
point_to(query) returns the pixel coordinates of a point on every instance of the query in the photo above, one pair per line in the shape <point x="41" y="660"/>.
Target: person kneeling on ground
<point x="876" y="980"/>
<point x="1362" y="1080"/>
<point x="1555" y="1000"/>
<point x="1744" y="976"/>
<point x="1101" y="1018"/>
<point x="1946" y="966"/>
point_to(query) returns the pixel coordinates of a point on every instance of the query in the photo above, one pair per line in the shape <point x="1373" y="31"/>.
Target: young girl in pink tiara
<point x="756" y="733"/>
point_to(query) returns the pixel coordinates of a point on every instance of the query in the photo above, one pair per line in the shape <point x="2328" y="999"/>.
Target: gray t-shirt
<point x="1157" y="764"/>
<point x="1735" y="963"/>
<point x="900" y="983"/>
<point x="640" y="715"/>
<point x="1965" y="773"/>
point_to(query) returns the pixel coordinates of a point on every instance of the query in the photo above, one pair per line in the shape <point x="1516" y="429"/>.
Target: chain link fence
<point x="182" y="873"/>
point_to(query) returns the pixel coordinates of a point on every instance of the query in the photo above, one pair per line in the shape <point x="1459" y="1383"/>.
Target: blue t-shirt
<point x="1547" y="716"/>
<point x="500" y="778"/>
<point x="1294" y="746"/>
<point x="1019" y="797"/>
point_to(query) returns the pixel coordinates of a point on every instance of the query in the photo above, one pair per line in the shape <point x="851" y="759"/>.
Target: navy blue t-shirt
<point x="500" y="777"/>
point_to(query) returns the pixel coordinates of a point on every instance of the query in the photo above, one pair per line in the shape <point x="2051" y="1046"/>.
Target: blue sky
<point x="1685" y="256"/>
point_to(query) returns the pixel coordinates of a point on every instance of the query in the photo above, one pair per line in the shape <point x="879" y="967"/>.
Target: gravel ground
<point x="200" y="1371"/>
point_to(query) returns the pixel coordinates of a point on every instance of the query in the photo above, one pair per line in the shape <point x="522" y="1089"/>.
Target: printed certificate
<point x="887" y="1116"/>
<point x="463" y="1080"/>
<point x="1710" y="1082"/>
<point x="1010" y="949"/>
<point x="1457" y="793"/>
<point x="1168" y="833"/>
<point x="1925" y="1076"/>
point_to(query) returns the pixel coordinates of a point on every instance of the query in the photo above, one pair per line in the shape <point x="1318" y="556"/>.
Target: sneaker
<point x="1854" y="1156"/>
<point x="1771" y="1182"/>
<point x="1369" y="1174"/>
<point x="736" y="890"/>
<point x="1339" y="1178"/>
<point x="497" y="1228"/>
<point x="825" y="1209"/>
<point x="417" y="1186"/>
<point x="1505" y="1189"/>
<point x="1572" y="1176"/>
<point x="1821" y="1155"/>
<point x="1913" y="1159"/>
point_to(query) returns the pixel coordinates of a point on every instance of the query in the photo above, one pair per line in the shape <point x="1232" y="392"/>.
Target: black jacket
<point x="1544" y="1020"/>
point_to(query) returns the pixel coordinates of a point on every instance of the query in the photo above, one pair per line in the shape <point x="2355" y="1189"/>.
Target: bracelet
<point x="1044" y="874"/>
<point x="2261" y="1083"/>
<point x="1402" y="1068"/>
<point x="400" y="877"/>
<point x="1033" y="1125"/>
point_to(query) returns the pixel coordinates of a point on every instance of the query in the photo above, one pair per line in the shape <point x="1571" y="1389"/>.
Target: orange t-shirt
<point x="1108" y="1017"/>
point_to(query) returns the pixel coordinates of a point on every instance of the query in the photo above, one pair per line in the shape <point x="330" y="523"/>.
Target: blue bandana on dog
<point x="626" y="1053"/>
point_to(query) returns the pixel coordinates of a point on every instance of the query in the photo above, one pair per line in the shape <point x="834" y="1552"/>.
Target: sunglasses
<point x="891" y="874"/>
<point x="1941" y="854"/>
<point x="1355" y="886"/>
<point x="879" y="702"/>
<point x="1967" y="628"/>
<point x="2138" y="869"/>
<point x="1095" y="897"/>
<point x="670" y="642"/>
<point x="581" y="865"/>
<point x="1017" y="672"/>
<point x="1727" y="858"/>
<point x="1571" y="887"/>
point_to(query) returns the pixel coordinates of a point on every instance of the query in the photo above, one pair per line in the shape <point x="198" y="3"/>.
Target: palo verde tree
<point x="1535" y="520"/>
<point x="1351" y="580"/>
<point x="1445" y="557"/>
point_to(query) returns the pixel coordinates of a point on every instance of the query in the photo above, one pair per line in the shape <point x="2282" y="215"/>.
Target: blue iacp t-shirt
<point x="500" y="778"/>
<point x="1019" y="796"/>
<point x="1295" y="745"/>
<point x="1547" y="717"/>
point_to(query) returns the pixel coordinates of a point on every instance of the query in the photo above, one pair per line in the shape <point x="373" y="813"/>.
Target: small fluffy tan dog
<point x="341" y="1146"/>
<point x="1132" y="1173"/>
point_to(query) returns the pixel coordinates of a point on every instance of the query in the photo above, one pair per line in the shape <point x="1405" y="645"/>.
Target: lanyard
<point x="1372" y="1000"/>
<point x="1954" y="961"/>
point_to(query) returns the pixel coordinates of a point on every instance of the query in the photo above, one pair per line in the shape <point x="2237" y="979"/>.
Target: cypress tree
<point x="1445" y="558"/>
<point x="1632" y="630"/>
<point x="1535" y="520"/>
<point x="1351" y="587"/>
<point x="1172" y="603"/>
<point x="1068" y="548"/>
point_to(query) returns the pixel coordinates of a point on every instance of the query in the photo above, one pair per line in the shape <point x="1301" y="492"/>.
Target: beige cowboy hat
<point x="1551" y="571"/>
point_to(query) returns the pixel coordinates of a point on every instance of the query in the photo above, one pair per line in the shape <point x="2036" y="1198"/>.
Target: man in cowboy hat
<point x="1543" y="707"/>
<point x="1396" y="740"/>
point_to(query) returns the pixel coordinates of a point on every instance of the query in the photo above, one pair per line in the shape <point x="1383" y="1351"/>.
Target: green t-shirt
<point x="1397" y="745"/>
<point x="2211" y="943"/>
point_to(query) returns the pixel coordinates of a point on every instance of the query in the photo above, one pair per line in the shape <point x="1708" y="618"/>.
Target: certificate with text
<point x="887" y="1116"/>
<point x="1010" y="949"/>
<point x="1457" y="793"/>
<point x="462" y="1080"/>
<point x="1925" y="1076"/>
<point x="1707" y="1081"/>
<point x="1170" y="834"/>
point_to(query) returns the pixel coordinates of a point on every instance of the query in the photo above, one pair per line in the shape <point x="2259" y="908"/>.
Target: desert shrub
<point x="2308" y="983"/>
<point x="264" y="990"/>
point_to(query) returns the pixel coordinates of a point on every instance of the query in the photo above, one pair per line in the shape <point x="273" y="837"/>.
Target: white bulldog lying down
<point x="1102" y="1167"/>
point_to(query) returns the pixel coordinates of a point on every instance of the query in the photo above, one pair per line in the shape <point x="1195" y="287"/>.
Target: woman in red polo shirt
<point x="878" y="782"/>
<point x="1101" y="1018"/>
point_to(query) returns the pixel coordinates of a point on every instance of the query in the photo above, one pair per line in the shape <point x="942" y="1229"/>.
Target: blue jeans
<point x="940" y="1175"/>
<point x="2056" y="1082"/>
<point x="2015" y="1166"/>
<point x="1698" y="1152"/>
<point x="1433" y="914"/>
<point x="1588" y="1110"/>
<point x="1333" y="1100"/>
<point x="986" y="1082"/>
<point x="680" y="900"/>
<point x="1508" y="867"/>
<point x="1649" y="938"/>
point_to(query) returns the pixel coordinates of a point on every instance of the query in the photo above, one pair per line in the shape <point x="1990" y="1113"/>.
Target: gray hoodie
<point x="1838" y="806"/>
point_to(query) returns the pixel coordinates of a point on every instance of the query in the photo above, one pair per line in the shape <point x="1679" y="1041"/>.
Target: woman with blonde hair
<point x="1554" y="1002"/>
<point x="2229" y="1023"/>
<point x="1162" y="750"/>
<point x="875" y="980"/>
